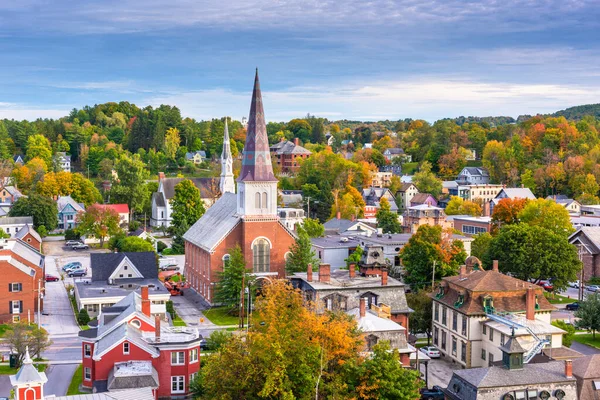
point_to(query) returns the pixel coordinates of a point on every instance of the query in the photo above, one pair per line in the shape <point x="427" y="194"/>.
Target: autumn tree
<point x="426" y="181"/>
<point x="459" y="206"/>
<point x="63" y="183"/>
<point x="349" y="203"/>
<point x="172" y="141"/>
<point x="547" y="214"/>
<point x="506" y="212"/>
<point x="387" y="220"/>
<point x="301" y="254"/>
<point x="232" y="279"/>
<point x="39" y="146"/>
<point x="452" y="163"/>
<point x="22" y="336"/>
<point x="42" y="209"/>
<point x="98" y="221"/>
<point x="187" y="204"/>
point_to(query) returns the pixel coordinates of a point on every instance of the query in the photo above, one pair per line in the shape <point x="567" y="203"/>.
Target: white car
<point x="72" y="242"/>
<point x="430" y="351"/>
<point x="574" y="284"/>
<point x="593" y="288"/>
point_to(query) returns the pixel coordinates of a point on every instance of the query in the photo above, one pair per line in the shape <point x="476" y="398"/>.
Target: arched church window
<point x="261" y="250"/>
<point x="257" y="200"/>
<point x="264" y="200"/>
<point x="226" y="260"/>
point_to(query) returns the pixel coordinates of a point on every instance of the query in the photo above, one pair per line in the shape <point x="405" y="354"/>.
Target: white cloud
<point x="23" y="111"/>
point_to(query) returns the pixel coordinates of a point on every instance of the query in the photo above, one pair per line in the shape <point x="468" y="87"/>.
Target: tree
<point x="517" y="248"/>
<point x="186" y="203"/>
<point x="348" y="203"/>
<point x="506" y="212"/>
<point x="301" y="254"/>
<point x="387" y="220"/>
<point x="355" y="257"/>
<point x="131" y="186"/>
<point x="567" y="338"/>
<point x="588" y="314"/>
<point x="38" y="146"/>
<point x="229" y="287"/>
<point x="384" y="377"/>
<point x="63" y="183"/>
<point x="98" y="221"/>
<point x="458" y="206"/>
<point x="4" y="235"/>
<point x="135" y="244"/>
<point x="83" y="317"/>
<point x="313" y="228"/>
<point x="481" y="246"/>
<point x="172" y="141"/>
<point x="420" y="320"/>
<point x="41" y="230"/>
<point x="547" y="214"/>
<point x="430" y="244"/>
<point x="21" y="336"/>
<point x="426" y="181"/>
<point x="42" y="209"/>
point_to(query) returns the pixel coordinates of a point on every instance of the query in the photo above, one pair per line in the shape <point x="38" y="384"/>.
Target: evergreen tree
<point x="301" y="254"/>
<point x="387" y="220"/>
<point x="187" y="204"/>
<point x="229" y="286"/>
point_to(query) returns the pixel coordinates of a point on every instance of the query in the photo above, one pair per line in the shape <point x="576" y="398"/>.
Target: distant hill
<point x="491" y="121"/>
<point x="578" y="112"/>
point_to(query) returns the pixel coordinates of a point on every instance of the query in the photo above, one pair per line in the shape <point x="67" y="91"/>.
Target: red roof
<point x="119" y="208"/>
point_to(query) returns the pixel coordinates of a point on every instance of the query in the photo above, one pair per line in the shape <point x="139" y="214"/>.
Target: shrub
<point x="167" y="252"/>
<point x="42" y="231"/>
<point x="570" y="329"/>
<point x="217" y="339"/>
<point x="70" y="234"/>
<point x="171" y="309"/>
<point x="594" y="280"/>
<point x="160" y="246"/>
<point x="134" y="225"/>
<point x="83" y="318"/>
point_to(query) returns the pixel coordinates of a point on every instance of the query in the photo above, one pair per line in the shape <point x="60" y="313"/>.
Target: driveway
<point x="59" y="378"/>
<point x="440" y="371"/>
<point x="584" y="348"/>
<point x="58" y="317"/>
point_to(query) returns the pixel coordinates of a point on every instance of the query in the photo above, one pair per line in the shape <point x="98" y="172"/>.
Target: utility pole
<point x="40" y="296"/>
<point x="308" y="206"/>
<point x="249" y="309"/>
<point x="433" y="276"/>
<point x="242" y="296"/>
<point x="581" y="277"/>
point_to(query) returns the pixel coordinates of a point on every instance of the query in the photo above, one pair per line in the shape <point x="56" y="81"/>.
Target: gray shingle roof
<point x="28" y="229"/>
<point x="218" y="220"/>
<point x="339" y="225"/>
<point x="204" y="184"/>
<point x="16" y="220"/>
<point x="476" y="171"/>
<point x="63" y="201"/>
<point x="132" y="394"/>
<point x="104" y="264"/>
<point x="287" y="147"/>
<point x="159" y="199"/>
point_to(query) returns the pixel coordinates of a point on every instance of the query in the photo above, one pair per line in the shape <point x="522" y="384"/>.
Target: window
<point x="193" y="376"/>
<point x="436" y="334"/>
<point x="264" y="200"/>
<point x="483" y="354"/>
<point x="87" y="350"/>
<point x="436" y="310"/>
<point x="464" y="325"/>
<point x="87" y="374"/>
<point x="371" y="299"/>
<point x="454" y="321"/>
<point x="463" y="351"/>
<point x="15" y="287"/>
<point x="502" y="339"/>
<point x="472" y="230"/>
<point x="7" y="230"/>
<point x="371" y="341"/>
<point x="335" y="302"/>
<point x="453" y="346"/>
<point x="491" y="335"/>
<point x="444" y="312"/>
<point x="16" y="318"/>
<point x="226" y="260"/>
<point x="69" y="217"/>
<point x="443" y="340"/>
<point x="125" y="267"/>
<point x="126" y="348"/>
<point x="91" y="308"/>
<point x="484" y="330"/>
<point x="261" y="250"/>
<point x="491" y="359"/>
<point x="193" y="355"/>
<point x="177" y="384"/>
<point x="177" y="358"/>
<point x="16" y="306"/>
<point x="257" y="200"/>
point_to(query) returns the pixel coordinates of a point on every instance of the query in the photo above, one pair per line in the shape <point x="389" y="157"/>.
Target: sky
<point x="351" y="59"/>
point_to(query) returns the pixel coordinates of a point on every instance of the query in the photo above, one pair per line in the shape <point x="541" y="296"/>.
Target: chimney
<point x="353" y="218"/>
<point x="352" y="270"/>
<point x="324" y="272"/>
<point x="495" y="265"/>
<point x="384" y="277"/>
<point x="530" y="304"/>
<point x="157" y="327"/>
<point x="309" y="273"/>
<point x="297" y="141"/>
<point x="161" y="176"/>
<point x="339" y="215"/>
<point x="145" y="301"/>
<point x="463" y="271"/>
<point x="363" y="307"/>
<point x="568" y="369"/>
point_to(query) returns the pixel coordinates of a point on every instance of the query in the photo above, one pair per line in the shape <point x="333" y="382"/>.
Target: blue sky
<point x="355" y="59"/>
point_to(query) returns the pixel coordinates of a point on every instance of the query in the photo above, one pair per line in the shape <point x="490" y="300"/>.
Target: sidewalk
<point x="189" y="308"/>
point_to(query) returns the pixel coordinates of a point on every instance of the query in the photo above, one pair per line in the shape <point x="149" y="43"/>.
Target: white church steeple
<point x="226" y="184"/>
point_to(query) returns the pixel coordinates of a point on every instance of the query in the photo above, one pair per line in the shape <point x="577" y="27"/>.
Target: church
<point x="247" y="217"/>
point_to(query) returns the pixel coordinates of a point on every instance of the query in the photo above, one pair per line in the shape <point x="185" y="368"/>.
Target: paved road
<point x="440" y="371"/>
<point x="59" y="378"/>
<point x="584" y="349"/>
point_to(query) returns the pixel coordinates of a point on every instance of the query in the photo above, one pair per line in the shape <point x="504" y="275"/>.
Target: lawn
<point x="76" y="382"/>
<point x="221" y="316"/>
<point x="558" y="299"/>
<point x="3" y="329"/>
<point x="409" y="168"/>
<point x="6" y="370"/>
<point x="178" y="321"/>
<point x="587" y="338"/>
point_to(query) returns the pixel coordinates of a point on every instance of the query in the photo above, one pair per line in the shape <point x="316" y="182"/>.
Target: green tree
<point x="384" y="377"/>
<point x="39" y="146"/>
<point x="301" y="254"/>
<point x="131" y="187"/>
<point x="21" y="336"/>
<point x="41" y="230"/>
<point x="517" y="249"/>
<point x="178" y="245"/>
<point x="420" y="320"/>
<point x="426" y="181"/>
<point x="98" y="221"/>
<point x="135" y="244"/>
<point x="43" y="210"/>
<point x="354" y="258"/>
<point x="567" y="338"/>
<point x="547" y="214"/>
<point x="187" y="204"/>
<point x="83" y="317"/>
<point x="387" y="220"/>
<point x="172" y="141"/>
<point x="481" y="246"/>
<point x="313" y="228"/>
<point x="588" y="314"/>
<point x="3" y="235"/>
<point x="229" y="287"/>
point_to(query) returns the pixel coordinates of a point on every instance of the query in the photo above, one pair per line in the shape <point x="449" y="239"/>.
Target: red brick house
<point x="247" y="218"/>
<point x="28" y="235"/>
<point x="131" y="348"/>
<point x="288" y="154"/>
<point x="22" y="273"/>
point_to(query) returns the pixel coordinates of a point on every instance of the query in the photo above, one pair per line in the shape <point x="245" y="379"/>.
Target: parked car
<point x="72" y="242"/>
<point x="431" y="351"/>
<point x="203" y="344"/>
<point x="51" y="278"/>
<point x="167" y="264"/>
<point x="71" y="265"/>
<point x="547" y="286"/>
<point x="574" y="284"/>
<point x="593" y="288"/>
<point x="80" y="246"/>
<point x="433" y="393"/>
<point x="169" y="268"/>
<point x="77" y="272"/>
<point x="573" y="306"/>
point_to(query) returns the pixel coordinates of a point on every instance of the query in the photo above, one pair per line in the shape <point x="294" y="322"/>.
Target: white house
<point x="63" y="161"/>
<point x="12" y="225"/>
<point x="473" y="176"/>
<point x="196" y="157"/>
<point x="290" y="217"/>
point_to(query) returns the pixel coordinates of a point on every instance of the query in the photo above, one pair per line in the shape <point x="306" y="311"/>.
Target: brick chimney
<point x="463" y="271"/>
<point x="530" y="304"/>
<point x="297" y="141"/>
<point x="324" y="273"/>
<point x="495" y="266"/>
<point x="161" y="176"/>
<point x="353" y="218"/>
<point x="363" y="307"/>
<point x="568" y="369"/>
<point x="338" y="215"/>
<point x="157" y="327"/>
<point x="384" y="276"/>
<point x="352" y="270"/>
<point x="309" y="273"/>
<point x="145" y="301"/>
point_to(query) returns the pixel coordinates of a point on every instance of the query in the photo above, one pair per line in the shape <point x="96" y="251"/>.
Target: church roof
<point x="28" y="373"/>
<point x="216" y="222"/>
<point x="256" y="163"/>
<point x="204" y="184"/>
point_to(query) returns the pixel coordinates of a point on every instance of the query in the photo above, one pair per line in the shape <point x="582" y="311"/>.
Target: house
<point x="395" y="152"/>
<point x="115" y="276"/>
<point x="248" y="218"/>
<point x="449" y="187"/>
<point x="508" y="193"/>
<point x="67" y="212"/>
<point x="424" y="214"/>
<point x="290" y="217"/>
<point x="579" y="221"/>
<point x="62" y="161"/>
<point x="586" y="371"/>
<point x="121" y="209"/>
<point x="394" y="169"/>
<point x="12" y="225"/>
<point x="405" y="194"/>
<point x="591" y="210"/>
<point x="342" y="290"/>
<point x="28" y="235"/>
<point x="23" y="269"/>
<point x="196" y="157"/>
<point x="19" y="159"/>
<point x="480" y="193"/>
<point x="346" y="227"/>
<point x="8" y="195"/>
<point x="291" y="198"/>
<point x="133" y="348"/>
<point x="515" y="379"/>
<point x="473" y="176"/>
<point x="587" y="240"/>
<point x="422" y="199"/>
<point x="161" y="199"/>
<point x="381" y="179"/>
<point x="288" y="154"/>
<point x="475" y="312"/>
<point x="469" y="225"/>
<point x="572" y="206"/>
<point x="372" y="197"/>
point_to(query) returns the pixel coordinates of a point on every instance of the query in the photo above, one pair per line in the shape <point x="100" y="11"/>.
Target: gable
<point x="68" y="209"/>
<point x="103" y="265"/>
<point x="125" y="270"/>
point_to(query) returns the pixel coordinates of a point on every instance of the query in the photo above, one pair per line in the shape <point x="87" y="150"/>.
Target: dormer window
<point x="459" y="302"/>
<point x="440" y="292"/>
<point x="488" y="304"/>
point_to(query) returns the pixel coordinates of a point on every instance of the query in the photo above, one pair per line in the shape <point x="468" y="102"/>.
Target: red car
<point x="548" y="286"/>
<point x="51" y="278"/>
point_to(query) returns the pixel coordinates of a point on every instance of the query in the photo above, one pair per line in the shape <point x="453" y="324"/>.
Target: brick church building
<point x="247" y="218"/>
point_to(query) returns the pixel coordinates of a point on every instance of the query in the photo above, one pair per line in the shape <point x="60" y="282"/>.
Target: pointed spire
<point x="226" y="143"/>
<point x="27" y="359"/>
<point x="226" y="183"/>
<point x="256" y="164"/>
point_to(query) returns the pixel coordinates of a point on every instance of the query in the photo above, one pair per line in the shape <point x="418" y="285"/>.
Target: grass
<point x="221" y="316"/>
<point x="76" y="382"/>
<point x="558" y="299"/>
<point x="588" y="338"/>
<point x="3" y="329"/>
<point x="177" y="278"/>
<point x="178" y="321"/>
<point x="409" y="168"/>
<point x="6" y="370"/>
